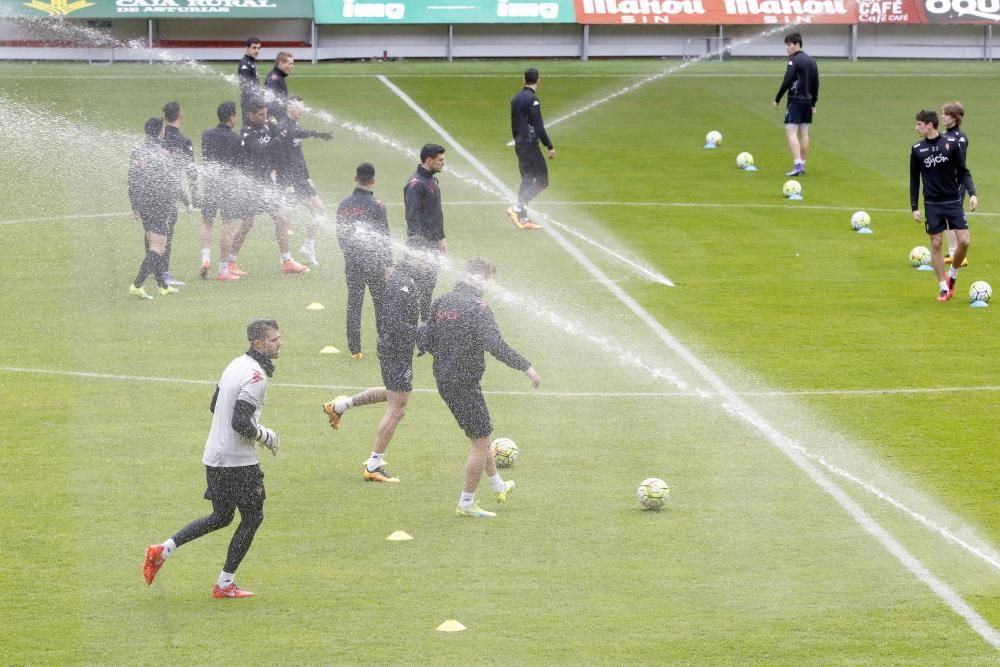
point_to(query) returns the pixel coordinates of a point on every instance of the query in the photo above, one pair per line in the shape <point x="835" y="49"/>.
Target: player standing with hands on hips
<point x="528" y="128"/>
<point x="235" y="480"/>
<point x="938" y="160"/>
<point x="802" y="84"/>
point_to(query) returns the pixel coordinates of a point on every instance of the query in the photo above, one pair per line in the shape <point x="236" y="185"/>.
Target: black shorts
<point x="159" y="221"/>
<point x="468" y="405"/>
<point x="397" y="372"/>
<point x="798" y="113"/>
<point x="941" y="217"/>
<point x="240" y="486"/>
<point x="530" y="161"/>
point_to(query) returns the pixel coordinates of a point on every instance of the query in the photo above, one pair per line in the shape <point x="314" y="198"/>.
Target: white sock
<point x="168" y="548"/>
<point x="953" y="272"/>
<point x="206" y="255"/>
<point x="223" y="268"/>
<point x="801" y="162"/>
<point x="225" y="579"/>
<point x="518" y="208"/>
<point x="344" y="405"/>
<point x="374" y="462"/>
<point x="943" y="284"/>
<point x="497" y="483"/>
<point x="286" y="256"/>
<point x="232" y="257"/>
<point x="309" y="245"/>
<point x="951" y="251"/>
<point x="467" y="499"/>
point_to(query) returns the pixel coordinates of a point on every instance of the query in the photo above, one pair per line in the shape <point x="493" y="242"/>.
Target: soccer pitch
<point x="826" y="427"/>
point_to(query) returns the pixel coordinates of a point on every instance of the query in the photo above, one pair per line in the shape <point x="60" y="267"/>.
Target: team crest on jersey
<point x="256" y="377"/>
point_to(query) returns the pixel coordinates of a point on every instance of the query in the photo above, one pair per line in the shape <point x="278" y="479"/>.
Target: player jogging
<point x="275" y="86"/>
<point x="425" y="220"/>
<point x="222" y="155"/>
<point x="246" y="71"/>
<point x="528" y="129"/>
<point x="938" y="161"/>
<point x="462" y="330"/>
<point x="232" y="469"/>
<point x="802" y="84"/>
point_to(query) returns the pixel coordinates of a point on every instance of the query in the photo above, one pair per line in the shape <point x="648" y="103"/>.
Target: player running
<point x="528" y="128"/>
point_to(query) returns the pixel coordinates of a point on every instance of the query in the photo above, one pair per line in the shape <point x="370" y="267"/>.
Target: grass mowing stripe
<point x="736" y="407"/>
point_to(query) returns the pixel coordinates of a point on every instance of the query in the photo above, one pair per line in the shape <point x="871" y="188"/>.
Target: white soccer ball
<point x="653" y="493"/>
<point x="744" y="160"/>
<point x="714" y="137"/>
<point x="920" y="256"/>
<point x="980" y="291"/>
<point x="860" y="220"/>
<point x="504" y="451"/>
<point x="791" y="187"/>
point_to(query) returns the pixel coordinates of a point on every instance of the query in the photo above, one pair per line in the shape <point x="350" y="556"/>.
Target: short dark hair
<point x="282" y="56"/>
<point x="257" y="329"/>
<point x="793" y="38"/>
<point x="481" y="267"/>
<point x="926" y="116"/>
<point x="152" y="127"/>
<point x="531" y="75"/>
<point x="294" y="98"/>
<point x="226" y="111"/>
<point x="255" y="103"/>
<point x="365" y="173"/>
<point x="251" y="41"/>
<point x="955" y="110"/>
<point x="171" y="111"/>
<point x="430" y="150"/>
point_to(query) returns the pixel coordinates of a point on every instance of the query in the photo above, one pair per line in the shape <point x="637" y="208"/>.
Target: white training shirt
<point x="243" y="380"/>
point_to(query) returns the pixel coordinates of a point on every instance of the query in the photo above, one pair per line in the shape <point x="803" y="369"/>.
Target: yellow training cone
<point x="399" y="536"/>
<point x="315" y="305"/>
<point x="329" y="349"/>
<point x="451" y="625"/>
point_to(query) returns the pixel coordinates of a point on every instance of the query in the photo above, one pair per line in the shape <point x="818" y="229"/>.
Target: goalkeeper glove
<point x="268" y="438"/>
<point x="325" y="136"/>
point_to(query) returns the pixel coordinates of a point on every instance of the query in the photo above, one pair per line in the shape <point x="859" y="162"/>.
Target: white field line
<point x="506" y="74"/>
<point x="737" y="407"/>
<point x="503" y="392"/>
<point x="511" y="196"/>
<point x="493" y="202"/>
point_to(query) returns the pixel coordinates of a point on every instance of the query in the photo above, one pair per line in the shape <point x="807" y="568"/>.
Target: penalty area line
<point x="808" y="463"/>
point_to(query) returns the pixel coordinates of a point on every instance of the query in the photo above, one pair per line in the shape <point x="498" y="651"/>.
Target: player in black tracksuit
<point x="263" y="148"/>
<point x="425" y="220"/>
<point x="182" y="151"/>
<point x="952" y="115"/>
<point x="275" y="86"/>
<point x="153" y="189"/>
<point x="246" y="70"/>
<point x="528" y="129"/>
<point x="939" y="162"/>
<point x="801" y="81"/>
<point x="293" y="173"/>
<point x="363" y="235"/>
<point x="461" y="330"/>
<point x="222" y="159"/>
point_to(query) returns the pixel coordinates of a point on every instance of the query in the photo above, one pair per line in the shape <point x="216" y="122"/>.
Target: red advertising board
<point x="750" y="12"/>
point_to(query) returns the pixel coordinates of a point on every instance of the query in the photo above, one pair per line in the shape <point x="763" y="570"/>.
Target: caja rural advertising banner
<point x="113" y="9"/>
<point x="444" y="11"/>
<point x="749" y="12"/>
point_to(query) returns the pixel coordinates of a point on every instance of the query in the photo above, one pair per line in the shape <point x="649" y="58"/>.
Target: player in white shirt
<point x="235" y="480"/>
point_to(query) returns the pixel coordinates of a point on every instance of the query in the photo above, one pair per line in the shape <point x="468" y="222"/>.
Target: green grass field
<point x="827" y="428"/>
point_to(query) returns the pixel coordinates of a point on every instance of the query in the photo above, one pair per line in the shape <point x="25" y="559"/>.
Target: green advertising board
<point x="195" y="9"/>
<point x="444" y="11"/>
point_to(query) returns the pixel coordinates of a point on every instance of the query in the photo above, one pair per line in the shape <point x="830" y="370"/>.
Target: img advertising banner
<point x="444" y="11"/>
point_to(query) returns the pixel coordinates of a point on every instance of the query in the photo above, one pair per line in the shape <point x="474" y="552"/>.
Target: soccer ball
<point x="980" y="291"/>
<point x="504" y="452"/>
<point x="790" y="188"/>
<point x="713" y="137"/>
<point x="653" y="493"/>
<point x="920" y="256"/>
<point x="860" y="220"/>
<point x="744" y="160"/>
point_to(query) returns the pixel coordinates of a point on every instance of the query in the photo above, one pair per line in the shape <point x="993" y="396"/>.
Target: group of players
<point x="457" y="329"/>
<point x="938" y="160"/>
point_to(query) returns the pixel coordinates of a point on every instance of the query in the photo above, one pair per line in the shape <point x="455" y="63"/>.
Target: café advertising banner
<point x="443" y="11"/>
<point x="113" y="9"/>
